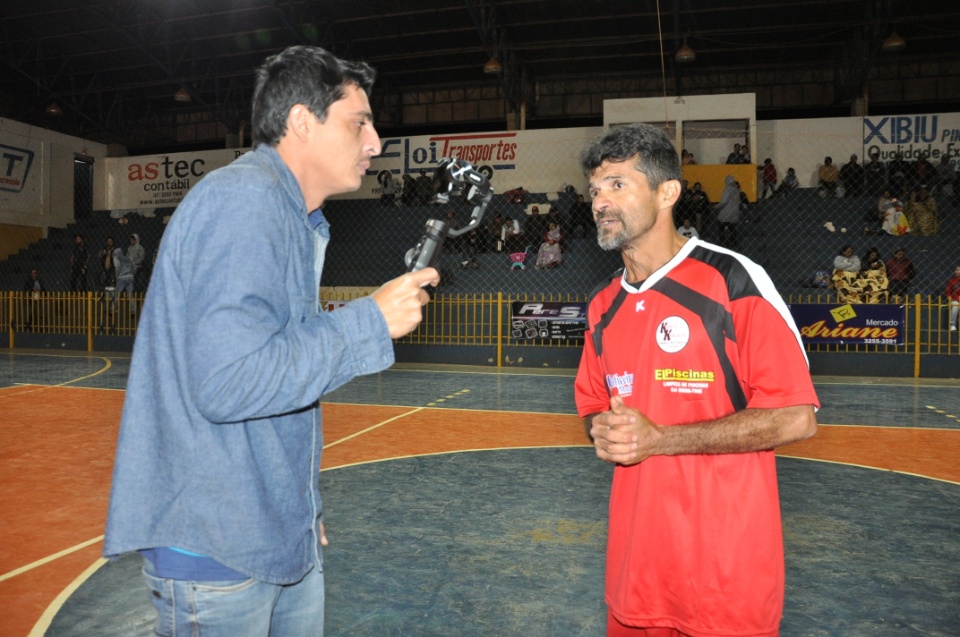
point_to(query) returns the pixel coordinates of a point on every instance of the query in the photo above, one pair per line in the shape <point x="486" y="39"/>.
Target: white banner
<point x="21" y="174"/>
<point x="936" y="135"/>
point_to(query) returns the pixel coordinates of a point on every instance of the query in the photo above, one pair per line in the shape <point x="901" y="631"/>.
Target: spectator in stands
<point x="137" y="256"/>
<point x="699" y="205"/>
<point x="789" y="183"/>
<point x="464" y="245"/>
<point x="516" y="195"/>
<point x="923" y="171"/>
<point x="107" y="275"/>
<point x="900" y="272"/>
<point x="875" y="174"/>
<point x="424" y="187"/>
<point x="768" y="174"/>
<point x="847" y="260"/>
<point x="512" y="235"/>
<point x="582" y="217"/>
<point x="944" y="179"/>
<point x="550" y="255"/>
<point x="125" y="273"/>
<point x="33" y="290"/>
<point x="687" y="230"/>
<point x="898" y="173"/>
<point x="495" y="232"/>
<point x="408" y="196"/>
<point x="78" y="264"/>
<point x="536" y="224"/>
<point x="728" y="213"/>
<point x="922" y="213"/>
<point x="851" y="176"/>
<point x="872" y="261"/>
<point x="687" y="158"/>
<point x="894" y="220"/>
<point x="738" y="156"/>
<point x="827" y="177"/>
<point x="953" y="295"/>
<point x="388" y="189"/>
<point x="566" y="199"/>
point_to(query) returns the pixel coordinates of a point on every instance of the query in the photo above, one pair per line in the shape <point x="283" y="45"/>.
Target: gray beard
<point x="611" y="241"/>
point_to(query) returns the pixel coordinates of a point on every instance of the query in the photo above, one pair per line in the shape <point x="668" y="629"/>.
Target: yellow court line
<point x="372" y="427"/>
<point x="75" y="380"/>
<point x="49" y="558"/>
<point x="40" y="628"/>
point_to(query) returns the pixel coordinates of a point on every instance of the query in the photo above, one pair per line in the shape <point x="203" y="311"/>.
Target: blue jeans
<point x="240" y="608"/>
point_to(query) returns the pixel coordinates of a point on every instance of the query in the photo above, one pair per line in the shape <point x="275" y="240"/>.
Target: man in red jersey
<point x="692" y="373"/>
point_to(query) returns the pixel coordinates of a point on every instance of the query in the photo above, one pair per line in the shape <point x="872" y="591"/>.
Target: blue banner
<point x="851" y="324"/>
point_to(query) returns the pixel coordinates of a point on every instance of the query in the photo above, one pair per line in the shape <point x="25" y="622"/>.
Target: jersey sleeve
<point x="773" y="367"/>
<point x="590" y="389"/>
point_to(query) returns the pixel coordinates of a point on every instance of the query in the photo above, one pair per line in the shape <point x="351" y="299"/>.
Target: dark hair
<point x="845" y="248"/>
<point x="305" y="75"/>
<point x="655" y="155"/>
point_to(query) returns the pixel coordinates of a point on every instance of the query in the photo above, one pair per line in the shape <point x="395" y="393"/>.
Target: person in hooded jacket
<point x="137" y="256"/>
<point x="728" y="213"/>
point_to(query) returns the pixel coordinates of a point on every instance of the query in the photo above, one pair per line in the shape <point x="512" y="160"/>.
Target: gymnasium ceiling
<point x="113" y="66"/>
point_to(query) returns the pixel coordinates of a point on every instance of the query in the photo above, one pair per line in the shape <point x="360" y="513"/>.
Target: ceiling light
<point x="54" y="110"/>
<point x="493" y="66"/>
<point x="894" y="43"/>
<point x="183" y="95"/>
<point x="685" y="54"/>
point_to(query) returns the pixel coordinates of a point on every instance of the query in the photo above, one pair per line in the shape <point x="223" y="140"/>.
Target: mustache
<point x="603" y="216"/>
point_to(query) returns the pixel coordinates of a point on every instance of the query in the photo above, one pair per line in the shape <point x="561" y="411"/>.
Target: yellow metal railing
<point x="449" y="319"/>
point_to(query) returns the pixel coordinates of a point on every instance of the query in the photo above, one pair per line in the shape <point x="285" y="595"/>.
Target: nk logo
<point x="14" y="167"/>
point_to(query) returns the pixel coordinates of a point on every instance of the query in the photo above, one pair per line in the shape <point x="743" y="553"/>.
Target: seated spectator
<point x="550" y="255"/>
<point x="768" y="177"/>
<point x="535" y="224"/>
<point x="922" y="213"/>
<point x="495" y="232"/>
<point x="846" y="260"/>
<point x="424" y="187"/>
<point x="687" y="230"/>
<point x="923" y="171"/>
<point x="511" y="235"/>
<point x="872" y="261"/>
<point x="408" y="195"/>
<point x="851" y="176"/>
<point x="789" y="183"/>
<point x="897" y="174"/>
<point x="516" y="195"/>
<point x="875" y="174"/>
<point x="388" y="189"/>
<point x="828" y="175"/>
<point x="894" y="221"/>
<point x="944" y="179"/>
<point x="900" y="272"/>
<point x="687" y="158"/>
<point x="582" y="217"/>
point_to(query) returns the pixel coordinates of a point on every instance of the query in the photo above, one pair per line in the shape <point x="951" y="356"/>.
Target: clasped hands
<point x="623" y="435"/>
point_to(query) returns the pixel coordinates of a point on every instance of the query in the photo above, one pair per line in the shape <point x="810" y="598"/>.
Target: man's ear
<point x="668" y="193"/>
<point x="300" y="121"/>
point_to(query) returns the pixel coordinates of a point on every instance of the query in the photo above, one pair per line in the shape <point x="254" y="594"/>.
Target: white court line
<point x="372" y="427"/>
<point x="49" y="558"/>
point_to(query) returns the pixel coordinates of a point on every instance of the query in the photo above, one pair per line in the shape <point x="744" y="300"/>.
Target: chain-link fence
<point x="538" y="237"/>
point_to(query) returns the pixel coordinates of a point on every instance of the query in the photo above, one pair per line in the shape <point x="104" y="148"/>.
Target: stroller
<point x="517" y="259"/>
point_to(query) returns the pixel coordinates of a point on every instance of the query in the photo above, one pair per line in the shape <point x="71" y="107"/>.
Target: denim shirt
<point x="220" y="438"/>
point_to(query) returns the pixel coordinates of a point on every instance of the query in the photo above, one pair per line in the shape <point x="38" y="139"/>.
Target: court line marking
<point x="372" y="427"/>
<point x="63" y="384"/>
<point x="40" y="628"/>
<point x="49" y="558"/>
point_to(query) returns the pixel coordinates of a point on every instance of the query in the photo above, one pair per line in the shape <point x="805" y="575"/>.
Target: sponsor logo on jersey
<point x="623" y="383"/>
<point x="684" y="374"/>
<point x="673" y="334"/>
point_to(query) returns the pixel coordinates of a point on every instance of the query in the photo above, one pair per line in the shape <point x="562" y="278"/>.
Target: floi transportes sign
<point x="851" y="324"/>
<point x="548" y="320"/>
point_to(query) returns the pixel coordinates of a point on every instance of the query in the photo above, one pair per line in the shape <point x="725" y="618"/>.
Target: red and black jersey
<point x="695" y="540"/>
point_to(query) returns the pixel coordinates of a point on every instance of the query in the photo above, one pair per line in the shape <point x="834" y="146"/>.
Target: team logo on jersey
<point x="640" y="307"/>
<point x="673" y="334"/>
<point x="623" y="383"/>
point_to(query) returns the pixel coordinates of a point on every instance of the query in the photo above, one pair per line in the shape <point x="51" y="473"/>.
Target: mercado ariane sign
<point x="850" y="324"/>
<point x="548" y="320"/>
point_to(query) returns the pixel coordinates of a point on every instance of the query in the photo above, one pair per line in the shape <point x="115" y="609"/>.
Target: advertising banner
<point x="548" y="320"/>
<point x="935" y="135"/>
<point x="21" y="178"/>
<point x="851" y="324"/>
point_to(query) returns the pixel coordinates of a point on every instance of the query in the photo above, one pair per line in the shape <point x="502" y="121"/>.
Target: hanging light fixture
<point x="54" y="110"/>
<point x="894" y="43"/>
<point x="685" y="54"/>
<point x="183" y="95"/>
<point x="493" y="66"/>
